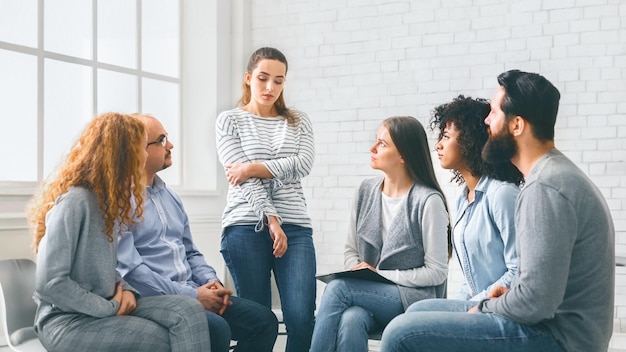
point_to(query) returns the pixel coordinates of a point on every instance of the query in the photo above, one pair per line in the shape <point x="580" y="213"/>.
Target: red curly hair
<point x="108" y="159"/>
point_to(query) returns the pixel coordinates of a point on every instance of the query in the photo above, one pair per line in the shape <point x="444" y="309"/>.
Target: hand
<point x="497" y="291"/>
<point x="126" y="300"/>
<point x="279" y="237"/>
<point x="363" y="265"/>
<point x="212" y="299"/>
<point x="216" y="285"/>
<point x="237" y="173"/>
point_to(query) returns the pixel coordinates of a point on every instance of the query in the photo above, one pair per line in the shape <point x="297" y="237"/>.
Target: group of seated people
<point x="117" y="269"/>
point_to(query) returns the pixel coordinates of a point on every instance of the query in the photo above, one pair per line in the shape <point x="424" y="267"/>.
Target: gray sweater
<point x="566" y="247"/>
<point x="75" y="263"/>
<point x="403" y="247"/>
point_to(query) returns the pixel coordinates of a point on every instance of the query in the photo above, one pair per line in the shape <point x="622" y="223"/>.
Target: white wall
<point x="353" y="63"/>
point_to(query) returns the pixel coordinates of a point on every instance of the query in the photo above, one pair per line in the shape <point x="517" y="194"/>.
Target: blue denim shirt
<point x="484" y="237"/>
<point x="158" y="255"/>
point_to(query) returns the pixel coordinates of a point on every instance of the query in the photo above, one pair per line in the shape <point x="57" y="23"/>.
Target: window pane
<point x="117" y="92"/>
<point x="117" y="32"/>
<point x="68" y="27"/>
<point x="18" y="116"/>
<point x="160" y="33"/>
<point x="161" y="99"/>
<point x="18" y="22"/>
<point x="67" y="108"/>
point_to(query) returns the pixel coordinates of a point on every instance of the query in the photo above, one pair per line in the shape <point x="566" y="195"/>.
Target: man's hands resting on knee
<point x="214" y="297"/>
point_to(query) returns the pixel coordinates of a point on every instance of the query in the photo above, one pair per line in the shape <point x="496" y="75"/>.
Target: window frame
<point x="201" y="35"/>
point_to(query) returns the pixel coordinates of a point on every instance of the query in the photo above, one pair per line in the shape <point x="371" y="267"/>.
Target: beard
<point x="500" y="147"/>
<point x="167" y="162"/>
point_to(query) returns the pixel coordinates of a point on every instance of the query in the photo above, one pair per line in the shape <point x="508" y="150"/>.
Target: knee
<point x="393" y="332"/>
<point x="336" y="289"/>
<point x="267" y="321"/>
<point x="425" y="305"/>
<point x="333" y="286"/>
<point x="355" y="316"/>
<point x="184" y="306"/>
<point x="269" y="318"/>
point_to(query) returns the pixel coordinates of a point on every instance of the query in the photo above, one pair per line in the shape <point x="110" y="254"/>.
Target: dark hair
<point x="532" y="97"/>
<point x="410" y="139"/>
<point x="468" y="116"/>
<point x="267" y="53"/>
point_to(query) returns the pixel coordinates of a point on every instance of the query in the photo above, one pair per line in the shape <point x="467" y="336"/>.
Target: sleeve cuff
<point x="189" y="292"/>
<point x="482" y="306"/>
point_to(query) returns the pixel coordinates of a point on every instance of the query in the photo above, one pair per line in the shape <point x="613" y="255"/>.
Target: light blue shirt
<point x="157" y="256"/>
<point x="484" y="237"/>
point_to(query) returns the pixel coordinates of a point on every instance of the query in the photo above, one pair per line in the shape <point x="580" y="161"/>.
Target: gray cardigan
<point x="403" y="247"/>
<point x="76" y="262"/>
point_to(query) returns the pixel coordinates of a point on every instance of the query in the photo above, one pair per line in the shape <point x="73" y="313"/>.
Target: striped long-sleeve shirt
<point x="288" y="152"/>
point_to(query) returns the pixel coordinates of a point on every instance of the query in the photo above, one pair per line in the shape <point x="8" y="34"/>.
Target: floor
<point x="373" y="346"/>
<point x="618" y="344"/>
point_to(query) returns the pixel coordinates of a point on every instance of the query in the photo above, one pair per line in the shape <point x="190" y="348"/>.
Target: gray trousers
<point x="158" y="324"/>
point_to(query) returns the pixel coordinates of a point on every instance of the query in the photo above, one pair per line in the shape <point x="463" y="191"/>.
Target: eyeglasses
<point x="162" y="141"/>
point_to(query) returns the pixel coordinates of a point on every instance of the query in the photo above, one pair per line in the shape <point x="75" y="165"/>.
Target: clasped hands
<point x="214" y="297"/>
<point x="126" y="299"/>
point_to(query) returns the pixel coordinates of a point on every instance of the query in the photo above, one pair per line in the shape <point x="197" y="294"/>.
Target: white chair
<point x="17" y="308"/>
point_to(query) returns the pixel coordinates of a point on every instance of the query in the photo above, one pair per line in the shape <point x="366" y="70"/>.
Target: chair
<point x="17" y="308"/>
<point x="373" y="342"/>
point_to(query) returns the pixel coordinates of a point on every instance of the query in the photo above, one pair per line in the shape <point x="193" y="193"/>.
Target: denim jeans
<point x="445" y="325"/>
<point x="248" y="255"/>
<point x="252" y="325"/>
<point x="350" y="309"/>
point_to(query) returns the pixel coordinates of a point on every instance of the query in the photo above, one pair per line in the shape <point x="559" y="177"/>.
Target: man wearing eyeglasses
<point x="157" y="256"/>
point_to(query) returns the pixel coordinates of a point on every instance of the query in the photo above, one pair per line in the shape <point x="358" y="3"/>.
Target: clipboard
<point x="363" y="274"/>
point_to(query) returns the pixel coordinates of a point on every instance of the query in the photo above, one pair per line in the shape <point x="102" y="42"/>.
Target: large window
<point x="64" y="61"/>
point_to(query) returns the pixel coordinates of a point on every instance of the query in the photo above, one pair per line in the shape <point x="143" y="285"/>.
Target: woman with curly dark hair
<point x="484" y="230"/>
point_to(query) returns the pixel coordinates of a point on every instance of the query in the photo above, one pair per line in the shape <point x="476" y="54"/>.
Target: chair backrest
<point x="17" y="284"/>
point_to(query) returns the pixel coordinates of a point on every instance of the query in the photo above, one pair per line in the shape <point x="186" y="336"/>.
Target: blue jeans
<point x="351" y="309"/>
<point x="445" y="325"/>
<point x="249" y="258"/>
<point x="252" y="325"/>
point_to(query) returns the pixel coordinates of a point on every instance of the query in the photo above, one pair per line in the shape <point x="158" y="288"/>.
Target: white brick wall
<point x="355" y="62"/>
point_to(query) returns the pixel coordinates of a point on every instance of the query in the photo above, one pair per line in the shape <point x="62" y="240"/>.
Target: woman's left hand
<point x="279" y="237"/>
<point x="127" y="300"/>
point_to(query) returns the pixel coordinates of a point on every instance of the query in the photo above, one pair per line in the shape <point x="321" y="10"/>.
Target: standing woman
<point x="266" y="150"/>
<point x="400" y="229"/>
<point x="484" y="229"/>
<point x="83" y="304"/>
